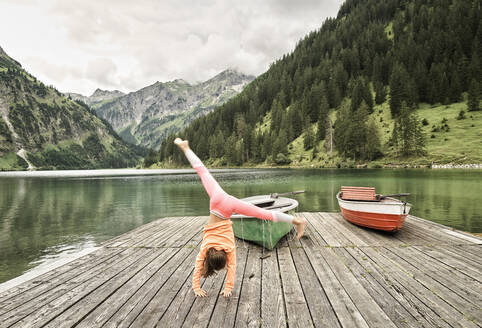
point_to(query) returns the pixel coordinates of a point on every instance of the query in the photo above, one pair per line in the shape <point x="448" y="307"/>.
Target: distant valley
<point x="145" y="117"/>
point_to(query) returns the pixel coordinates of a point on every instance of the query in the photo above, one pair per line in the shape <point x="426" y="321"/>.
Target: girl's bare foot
<point x="183" y="144"/>
<point x="300" y="223"/>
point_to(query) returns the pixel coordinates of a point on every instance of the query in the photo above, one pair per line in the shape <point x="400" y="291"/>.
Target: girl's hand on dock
<point x="200" y="292"/>
<point x="226" y="292"/>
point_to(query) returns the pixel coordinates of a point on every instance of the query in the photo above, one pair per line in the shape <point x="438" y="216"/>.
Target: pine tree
<point x="373" y="143"/>
<point x="296" y="119"/>
<point x="408" y="134"/>
<point x="321" y="128"/>
<point x="309" y="137"/>
<point x="473" y="97"/>
<point x="230" y="150"/>
<point x="280" y="144"/>
<point x="398" y="89"/>
<point x="380" y="93"/>
<point x="357" y="94"/>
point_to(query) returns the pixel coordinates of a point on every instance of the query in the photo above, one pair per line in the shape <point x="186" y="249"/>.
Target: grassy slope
<point x="81" y="121"/>
<point x="461" y="144"/>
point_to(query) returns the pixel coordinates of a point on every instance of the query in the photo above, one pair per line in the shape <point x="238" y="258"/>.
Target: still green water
<point x="42" y="219"/>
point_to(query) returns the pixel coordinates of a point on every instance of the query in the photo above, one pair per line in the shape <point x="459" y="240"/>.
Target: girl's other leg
<point x="251" y="210"/>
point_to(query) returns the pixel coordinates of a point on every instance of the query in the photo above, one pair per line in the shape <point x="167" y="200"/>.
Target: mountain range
<point x="98" y="98"/>
<point x="146" y="116"/>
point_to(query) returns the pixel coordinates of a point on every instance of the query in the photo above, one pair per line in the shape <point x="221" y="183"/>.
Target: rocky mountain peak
<point x="106" y="93"/>
<point x="232" y="72"/>
<point x="180" y="81"/>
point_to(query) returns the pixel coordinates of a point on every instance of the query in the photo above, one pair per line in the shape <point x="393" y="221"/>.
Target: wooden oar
<point x="276" y="195"/>
<point x="393" y="195"/>
<point x="277" y="206"/>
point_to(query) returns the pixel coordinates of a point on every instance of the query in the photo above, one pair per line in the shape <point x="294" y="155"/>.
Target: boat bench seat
<point x="358" y="193"/>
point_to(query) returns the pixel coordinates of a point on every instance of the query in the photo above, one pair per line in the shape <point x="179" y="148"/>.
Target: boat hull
<point x="263" y="232"/>
<point x="386" y="215"/>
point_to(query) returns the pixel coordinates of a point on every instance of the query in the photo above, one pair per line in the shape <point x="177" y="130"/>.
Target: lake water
<point x="53" y="215"/>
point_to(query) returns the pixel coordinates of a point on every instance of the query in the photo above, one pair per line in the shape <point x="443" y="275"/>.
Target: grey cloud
<point x="54" y="71"/>
<point x="130" y="44"/>
<point x="102" y="70"/>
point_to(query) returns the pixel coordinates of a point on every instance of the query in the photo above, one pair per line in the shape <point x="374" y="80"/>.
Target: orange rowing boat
<point x="361" y="206"/>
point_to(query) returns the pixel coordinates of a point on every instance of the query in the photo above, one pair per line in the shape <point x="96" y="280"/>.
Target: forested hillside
<point x="50" y="131"/>
<point x="354" y="89"/>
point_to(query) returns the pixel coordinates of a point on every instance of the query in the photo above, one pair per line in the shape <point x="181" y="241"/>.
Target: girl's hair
<point x="215" y="260"/>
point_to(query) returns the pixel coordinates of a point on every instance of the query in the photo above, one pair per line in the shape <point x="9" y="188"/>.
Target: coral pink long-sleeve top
<point x="220" y="236"/>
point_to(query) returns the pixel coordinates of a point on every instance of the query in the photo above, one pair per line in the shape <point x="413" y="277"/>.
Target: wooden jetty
<point x="338" y="275"/>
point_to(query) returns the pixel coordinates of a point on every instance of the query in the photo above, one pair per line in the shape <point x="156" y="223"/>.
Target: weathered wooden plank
<point x="318" y="303"/>
<point x="395" y="306"/>
<point x="368" y="308"/>
<point x="272" y="302"/>
<point x="462" y="251"/>
<point x="178" y="239"/>
<point x="296" y="307"/>
<point x="474" y="250"/>
<point x="136" y="275"/>
<point x="181" y="305"/>
<point x="166" y="232"/>
<point x="138" y="233"/>
<point x="403" y="292"/>
<point x="332" y="228"/>
<point x="323" y="229"/>
<point x="430" y="224"/>
<point x="28" y="304"/>
<point x="461" y="284"/>
<point x="346" y="312"/>
<point x="444" y="290"/>
<point x="171" y="229"/>
<point x="201" y="310"/>
<point x="59" y="275"/>
<point x="48" y="312"/>
<point x="151" y="301"/>
<point x="455" y="263"/>
<point x="427" y="296"/>
<point x="440" y="231"/>
<point x="151" y="274"/>
<point x="461" y="255"/>
<point x="353" y="239"/>
<point x="429" y="236"/>
<point x="248" y="311"/>
<point x="408" y="236"/>
<point x="224" y="313"/>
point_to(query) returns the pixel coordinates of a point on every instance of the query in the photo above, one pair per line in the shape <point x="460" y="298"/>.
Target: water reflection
<point x="41" y="218"/>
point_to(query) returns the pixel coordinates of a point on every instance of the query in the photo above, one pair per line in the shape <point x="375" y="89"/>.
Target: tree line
<point x="401" y="51"/>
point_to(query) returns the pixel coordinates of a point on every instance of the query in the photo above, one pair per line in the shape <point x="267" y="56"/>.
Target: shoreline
<point x="186" y="169"/>
<point x="358" y="166"/>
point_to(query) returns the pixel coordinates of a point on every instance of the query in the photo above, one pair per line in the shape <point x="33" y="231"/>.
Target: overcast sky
<point x="81" y="45"/>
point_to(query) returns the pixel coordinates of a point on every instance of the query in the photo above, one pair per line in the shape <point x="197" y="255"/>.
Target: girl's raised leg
<point x="208" y="181"/>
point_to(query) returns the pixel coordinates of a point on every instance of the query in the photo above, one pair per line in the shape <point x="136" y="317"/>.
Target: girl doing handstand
<point x="218" y="250"/>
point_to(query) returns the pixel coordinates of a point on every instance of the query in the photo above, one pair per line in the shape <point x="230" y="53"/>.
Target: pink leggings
<point x="224" y="205"/>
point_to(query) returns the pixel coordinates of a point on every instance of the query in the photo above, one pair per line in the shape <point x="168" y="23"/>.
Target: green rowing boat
<point x="263" y="232"/>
